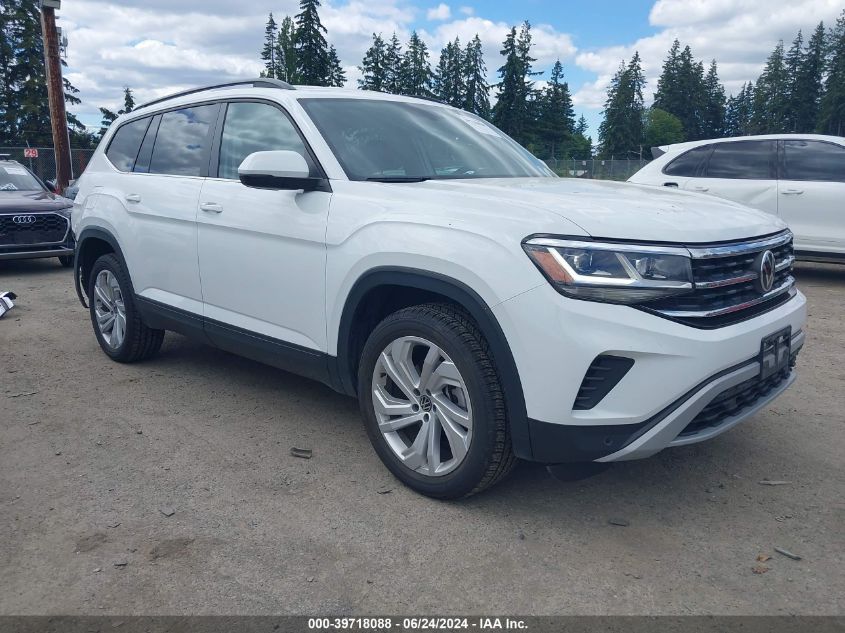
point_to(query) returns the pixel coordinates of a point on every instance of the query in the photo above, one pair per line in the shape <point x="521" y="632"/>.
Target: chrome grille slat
<point x="725" y="283"/>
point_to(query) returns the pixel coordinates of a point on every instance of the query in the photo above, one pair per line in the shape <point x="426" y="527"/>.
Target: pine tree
<point x="415" y="74"/>
<point x="7" y="56"/>
<point x="793" y="62"/>
<point x="739" y="112"/>
<point x="477" y="91"/>
<point x="393" y="66"/>
<point x="373" y="67"/>
<point x="832" y="114"/>
<point x="806" y="89"/>
<point x="268" y="53"/>
<point x="683" y="91"/>
<point x="286" y="51"/>
<point x="337" y="76"/>
<point x="556" y="119"/>
<point x="581" y="127"/>
<point x="108" y="117"/>
<point x="128" y="99"/>
<point x="668" y="96"/>
<point x="714" y="106"/>
<point x="771" y="96"/>
<point x="448" y="84"/>
<point x="312" y="50"/>
<point x="513" y="112"/>
<point x="621" y="131"/>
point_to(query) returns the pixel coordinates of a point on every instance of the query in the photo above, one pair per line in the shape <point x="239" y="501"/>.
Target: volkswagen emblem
<point x="23" y="219"/>
<point x="765" y="265"/>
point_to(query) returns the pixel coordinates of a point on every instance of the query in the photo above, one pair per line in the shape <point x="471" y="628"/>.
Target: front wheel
<point x="432" y="402"/>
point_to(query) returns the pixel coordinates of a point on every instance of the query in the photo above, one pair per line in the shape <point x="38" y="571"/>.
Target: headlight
<point x="615" y="273"/>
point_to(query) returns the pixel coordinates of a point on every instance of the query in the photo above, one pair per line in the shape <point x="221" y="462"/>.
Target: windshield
<point x="16" y="178"/>
<point x="394" y="140"/>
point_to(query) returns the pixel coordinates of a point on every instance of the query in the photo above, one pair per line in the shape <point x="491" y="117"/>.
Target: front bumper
<point x="678" y="371"/>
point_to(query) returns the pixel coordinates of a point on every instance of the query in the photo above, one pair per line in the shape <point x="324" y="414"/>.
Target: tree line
<point x="800" y="90"/>
<point x="24" y="109"/>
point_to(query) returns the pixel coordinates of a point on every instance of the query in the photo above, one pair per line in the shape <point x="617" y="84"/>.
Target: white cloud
<point x="467" y="10"/>
<point x="440" y="12"/>
<point x="738" y="34"/>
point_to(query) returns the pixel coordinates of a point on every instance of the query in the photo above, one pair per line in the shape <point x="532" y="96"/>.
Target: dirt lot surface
<point x="167" y="488"/>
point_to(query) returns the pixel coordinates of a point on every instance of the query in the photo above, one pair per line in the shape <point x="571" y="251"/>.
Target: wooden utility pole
<point x="56" y="92"/>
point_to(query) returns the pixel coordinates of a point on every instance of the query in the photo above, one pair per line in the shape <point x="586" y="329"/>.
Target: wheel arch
<point x="92" y="243"/>
<point x="408" y="286"/>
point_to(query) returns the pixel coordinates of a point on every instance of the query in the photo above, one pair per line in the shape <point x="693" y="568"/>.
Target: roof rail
<point x="261" y="82"/>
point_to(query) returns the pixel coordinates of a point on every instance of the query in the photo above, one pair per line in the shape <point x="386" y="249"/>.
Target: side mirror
<point x="281" y="169"/>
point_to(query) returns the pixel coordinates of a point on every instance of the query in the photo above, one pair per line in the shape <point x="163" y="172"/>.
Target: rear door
<point x="160" y="195"/>
<point x="811" y="196"/>
<point x="742" y="171"/>
<point x="262" y="252"/>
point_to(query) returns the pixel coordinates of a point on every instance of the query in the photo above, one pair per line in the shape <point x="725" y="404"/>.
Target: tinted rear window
<point x="749" y="160"/>
<point x="181" y="146"/>
<point x="813" y="160"/>
<point x="123" y="149"/>
<point x="689" y="163"/>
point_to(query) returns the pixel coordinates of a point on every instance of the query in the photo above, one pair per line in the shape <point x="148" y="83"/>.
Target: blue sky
<point x="161" y="46"/>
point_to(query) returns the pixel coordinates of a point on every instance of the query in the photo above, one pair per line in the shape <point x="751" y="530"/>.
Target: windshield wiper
<point x="399" y="178"/>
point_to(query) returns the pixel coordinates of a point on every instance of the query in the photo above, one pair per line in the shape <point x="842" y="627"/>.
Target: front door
<point x="262" y="253"/>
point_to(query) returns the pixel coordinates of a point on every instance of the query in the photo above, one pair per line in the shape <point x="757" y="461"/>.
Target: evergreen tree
<point x="740" y="111"/>
<point x="771" y="96"/>
<point x="24" y="108"/>
<point x="337" y="76"/>
<point x="474" y="72"/>
<point x="806" y="86"/>
<point x="555" y="125"/>
<point x="286" y="51"/>
<point x="373" y="67"/>
<point x="683" y="91"/>
<point x="415" y="74"/>
<point x="514" y="108"/>
<point x="448" y="84"/>
<point x="581" y="127"/>
<point x="714" y="106"/>
<point x="393" y="66"/>
<point x="312" y="50"/>
<point x="621" y="131"/>
<point x="268" y="53"/>
<point x="793" y="63"/>
<point x="108" y="117"/>
<point x="832" y="114"/>
<point x="668" y="96"/>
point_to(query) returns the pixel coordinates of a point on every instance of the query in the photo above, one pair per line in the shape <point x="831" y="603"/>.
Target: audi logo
<point x="24" y="219"/>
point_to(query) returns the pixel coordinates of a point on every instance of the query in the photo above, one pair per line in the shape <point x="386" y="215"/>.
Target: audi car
<point x="34" y="222"/>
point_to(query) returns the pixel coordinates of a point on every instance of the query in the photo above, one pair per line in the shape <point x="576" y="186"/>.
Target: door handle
<point x="792" y="192"/>
<point x="211" y="207"/>
<point x="132" y="197"/>
<point x="670" y="184"/>
<point x="701" y="188"/>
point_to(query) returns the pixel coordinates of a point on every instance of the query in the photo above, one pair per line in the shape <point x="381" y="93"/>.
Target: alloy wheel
<point x="110" y="309"/>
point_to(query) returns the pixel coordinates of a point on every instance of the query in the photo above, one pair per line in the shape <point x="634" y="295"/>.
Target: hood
<point x="619" y="210"/>
<point x="32" y="201"/>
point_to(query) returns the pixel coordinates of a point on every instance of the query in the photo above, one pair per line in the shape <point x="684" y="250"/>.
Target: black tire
<point x="490" y="454"/>
<point x="140" y="342"/>
<point x="66" y="261"/>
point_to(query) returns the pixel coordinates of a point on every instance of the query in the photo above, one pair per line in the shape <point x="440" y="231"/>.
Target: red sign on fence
<point x="30" y="152"/>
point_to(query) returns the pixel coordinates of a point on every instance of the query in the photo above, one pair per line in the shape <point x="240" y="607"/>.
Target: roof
<point x="761" y="137"/>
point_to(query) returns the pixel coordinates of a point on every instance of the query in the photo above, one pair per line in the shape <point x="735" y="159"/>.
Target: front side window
<point x="182" y="141"/>
<point x="689" y="163"/>
<point x="748" y="160"/>
<point x="375" y="139"/>
<point x="813" y="160"/>
<point x="123" y="149"/>
<point x="256" y="127"/>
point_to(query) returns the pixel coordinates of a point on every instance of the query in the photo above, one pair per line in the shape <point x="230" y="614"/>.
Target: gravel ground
<point x="167" y="488"/>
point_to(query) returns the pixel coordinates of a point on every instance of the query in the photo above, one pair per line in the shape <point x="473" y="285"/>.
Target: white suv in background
<point x="410" y="254"/>
<point x="798" y="177"/>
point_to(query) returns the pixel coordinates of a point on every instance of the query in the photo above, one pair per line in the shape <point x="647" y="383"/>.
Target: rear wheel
<point x="117" y="325"/>
<point x="432" y="402"/>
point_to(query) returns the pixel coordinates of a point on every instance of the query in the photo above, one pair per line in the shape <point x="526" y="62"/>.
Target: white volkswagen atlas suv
<point x="410" y="254"/>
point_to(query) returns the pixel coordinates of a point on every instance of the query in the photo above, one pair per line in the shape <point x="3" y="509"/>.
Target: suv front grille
<point x="45" y="228"/>
<point x="725" y="286"/>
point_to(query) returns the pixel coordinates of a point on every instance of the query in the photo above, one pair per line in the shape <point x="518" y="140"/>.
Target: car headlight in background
<point x="611" y="272"/>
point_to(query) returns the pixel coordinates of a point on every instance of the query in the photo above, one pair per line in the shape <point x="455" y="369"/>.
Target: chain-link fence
<point x="598" y="168"/>
<point x="44" y="165"/>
